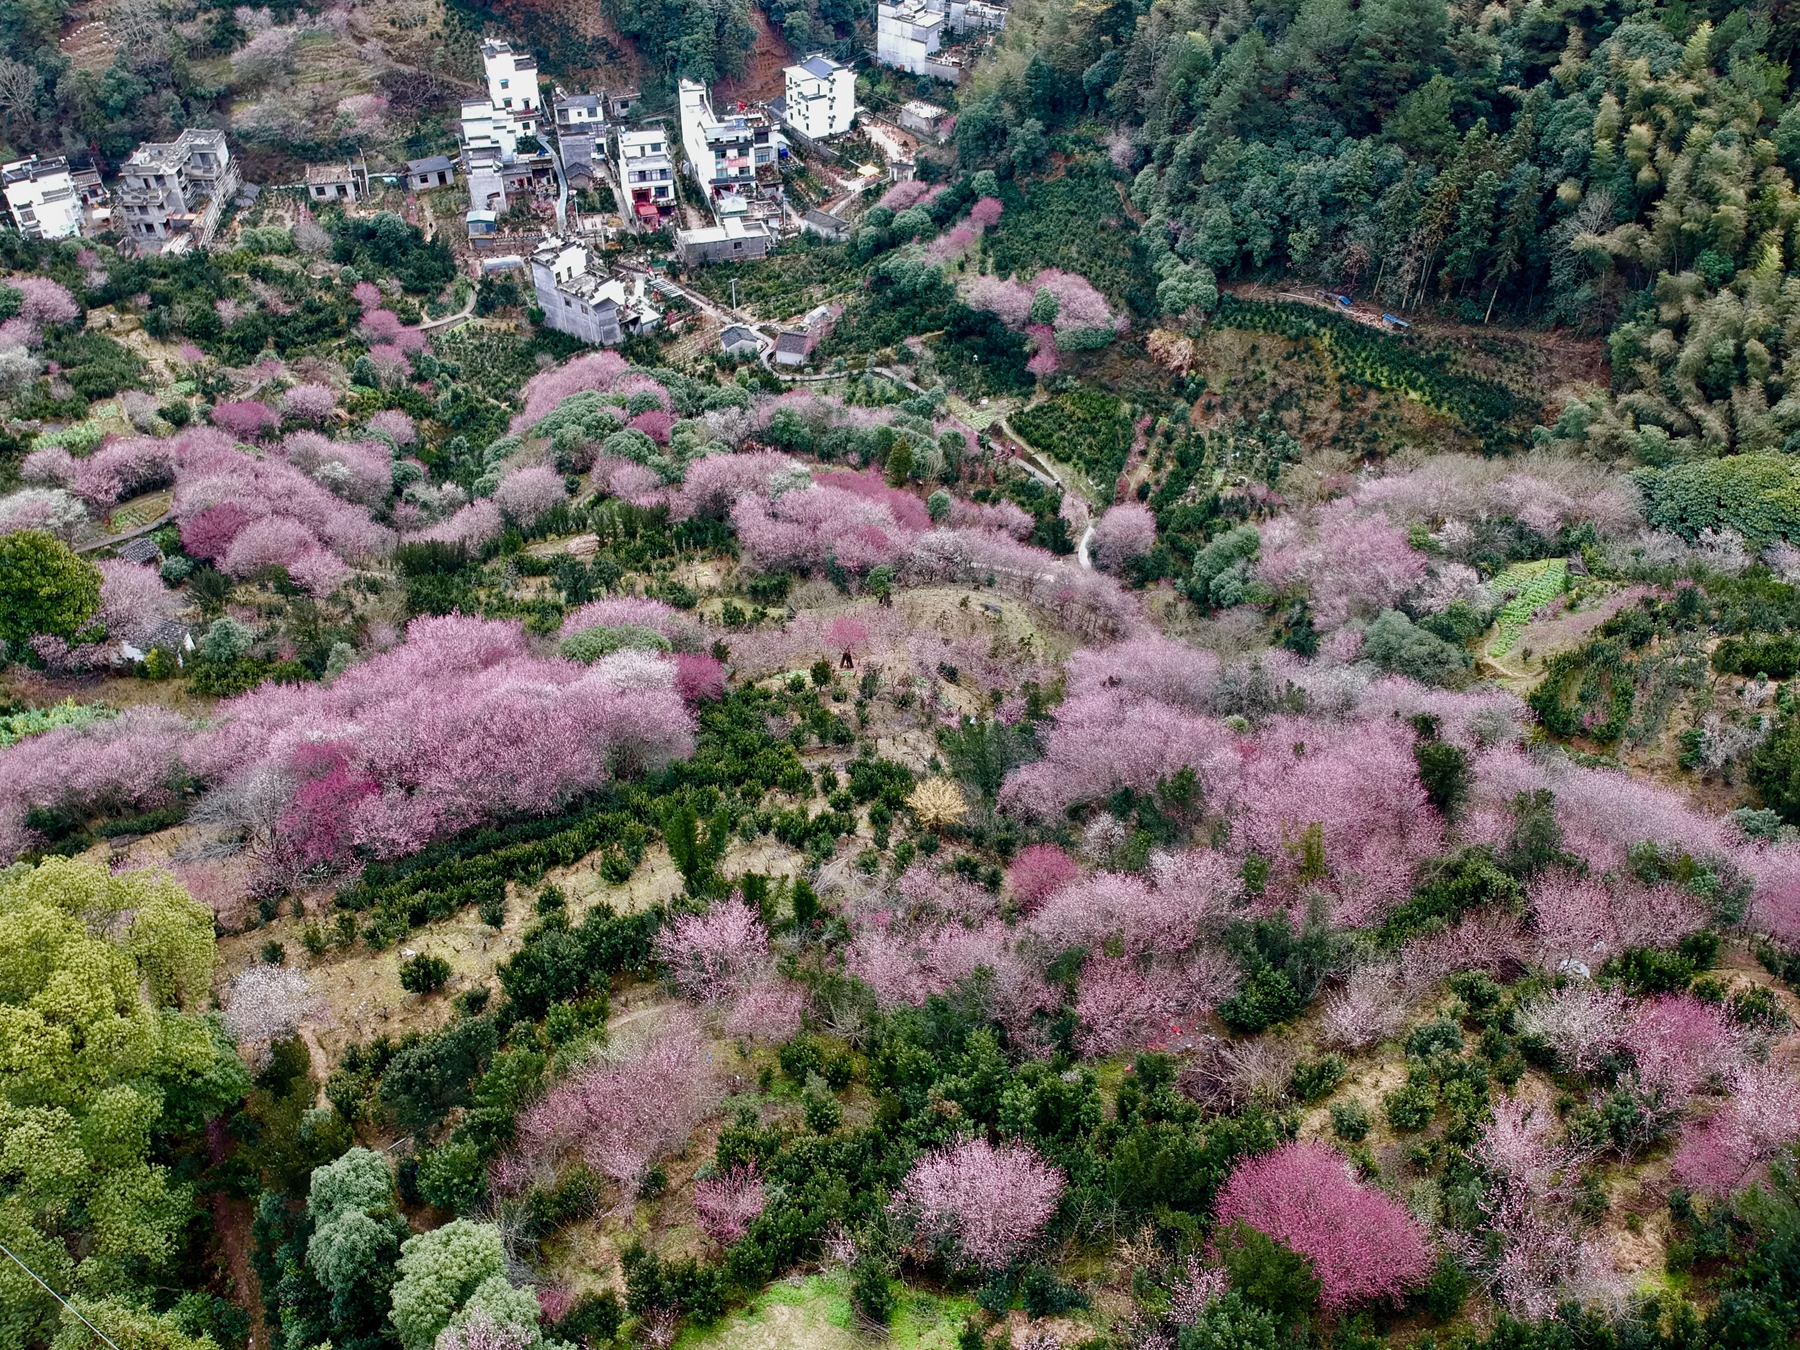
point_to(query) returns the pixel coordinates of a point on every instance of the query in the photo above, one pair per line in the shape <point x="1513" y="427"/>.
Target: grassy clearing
<point x="814" y="1313"/>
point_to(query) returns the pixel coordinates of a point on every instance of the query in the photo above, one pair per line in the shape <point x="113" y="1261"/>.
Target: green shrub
<point x="424" y="974"/>
<point x="1350" y="1121"/>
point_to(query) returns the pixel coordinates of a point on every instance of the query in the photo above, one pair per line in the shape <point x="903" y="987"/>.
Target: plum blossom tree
<point x="1759" y="1119"/>
<point x="1125" y="532"/>
<point x="976" y="1204"/>
<point x="310" y="402"/>
<point x="726" y="1203"/>
<point x="45" y="302"/>
<point x="524" y="497"/>
<point x="709" y="955"/>
<point x="621" y="1114"/>
<point x="244" y="418"/>
<point x="1681" y="1045"/>
<point x="1581" y="1023"/>
<point x="1362" y="1245"/>
<point x="1039" y="872"/>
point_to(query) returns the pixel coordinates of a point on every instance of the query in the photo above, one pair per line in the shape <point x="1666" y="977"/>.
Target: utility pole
<point x="734" y="294"/>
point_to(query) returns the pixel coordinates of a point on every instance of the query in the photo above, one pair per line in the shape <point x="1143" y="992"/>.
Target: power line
<point x="58" y="1297"/>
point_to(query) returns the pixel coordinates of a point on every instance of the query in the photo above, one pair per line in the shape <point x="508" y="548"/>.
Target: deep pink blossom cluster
<point x="656" y="424"/>
<point x="1043" y="349"/>
<point x="1363" y="1246"/>
<point x="621" y="1114"/>
<point x="1039" y="872"/>
<point x="869" y="485"/>
<point x="245" y="418"/>
<point x="983" y="1206"/>
<point x="912" y="192"/>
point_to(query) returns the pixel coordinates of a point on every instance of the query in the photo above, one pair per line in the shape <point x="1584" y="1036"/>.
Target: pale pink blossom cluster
<point x="1192" y="892"/>
<point x="245" y="418"/>
<point x="45" y="302"/>
<point x="1581" y="1023"/>
<point x="1584" y="918"/>
<point x="1543" y="492"/>
<point x="134" y="603"/>
<point x="1351" y="566"/>
<point x="979" y="1205"/>
<point x="912" y="192"/>
<point x="129" y="762"/>
<point x="623" y="1112"/>
<point x="525" y="496"/>
<point x="1090" y="604"/>
<point x="711" y="955"/>
<point x="1125" y="532"/>
<point x="1538" y="1257"/>
<point x="457" y="725"/>
<point x="1000" y="517"/>
<point x="714" y="482"/>
<point x="396" y="424"/>
<point x="805" y="529"/>
<point x="633" y="611"/>
<point x="359" y="471"/>
<point x="472" y="526"/>
<point x="600" y="371"/>
<point x="1363" y="1246"/>
<point x="1680" y="1045"/>
<point x="1359" y="785"/>
<point x="1127" y="1001"/>
<point x="310" y="402"/>
<point x="122" y="467"/>
<point x="904" y="969"/>
<point x="248" y="513"/>
<point x="727" y="1202"/>
<point x="1103" y="741"/>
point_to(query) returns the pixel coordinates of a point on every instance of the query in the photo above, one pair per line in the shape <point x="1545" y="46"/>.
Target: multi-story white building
<point x="512" y="81"/>
<point x="820" y="97"/>
<point x="724" y="153"/>
<point x="646" y="172"/>
<point x="172" y="192"/>
<point x="909" y="33"/>
<point x="583" y="301"/>
<point x="42" y="196"/>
